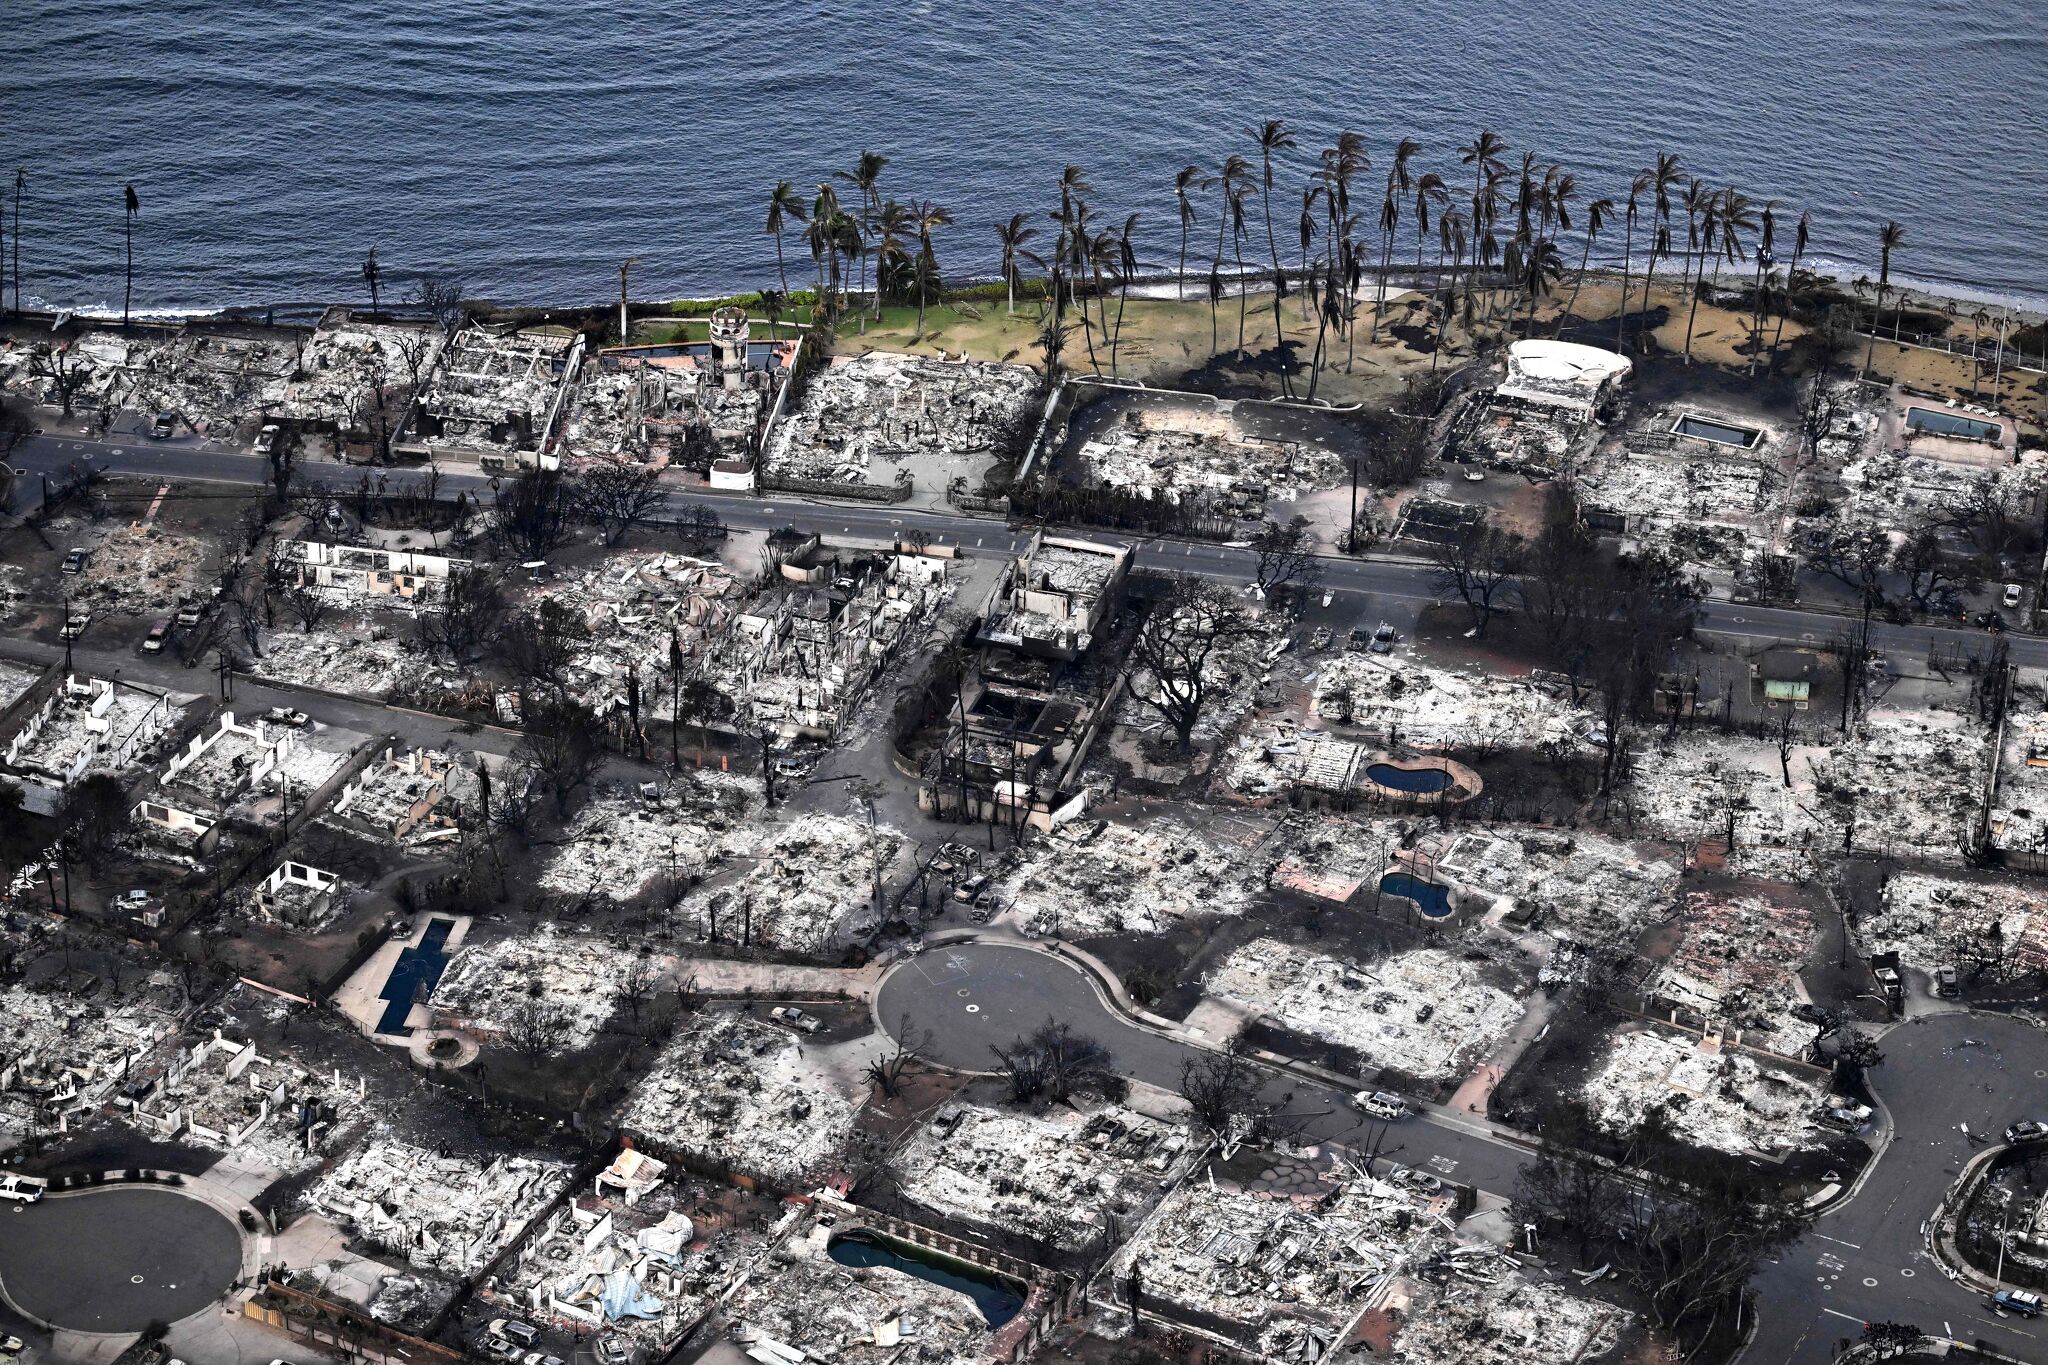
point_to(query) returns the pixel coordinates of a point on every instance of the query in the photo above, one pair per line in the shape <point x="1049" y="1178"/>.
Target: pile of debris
<point x="1094" y="878"/>
<point x="1232" y="676"/>
<point x="1064" y="1177"/>
<point x="1936" y="922"/>
<point x="140" y="571"/>
<point x="1405" y="701"/>
<point x="446" y="1213"/>
<point x="495" y="391"/>
<point x="362" y="660"/>
<point x="1486" y="1311"/>
<point x="733" y="1093"/>
<point x="878" y="417"/>
<point x="809" y="886"/>
<point x="634" y="611"/>
<point x="270" y="1111"/>
<point x="651" y="409"/>
<point x="626" y="838"/>
<point x="802" y="1304"/>
<point x="66" y="1054"/>
<point x="576" y="978"/>
<point x="211" y="379"/>
<point x="345" y="364"/>
<point x="1182" y="452"/>
<point x="1737" y="963"/>
<point x="1712" y="1094"/>
<point x="1428" y="1013"/>
<point x="1578" y="887"/>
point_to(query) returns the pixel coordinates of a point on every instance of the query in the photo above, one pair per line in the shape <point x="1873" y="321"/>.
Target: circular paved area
<point x="114" y="1258"/>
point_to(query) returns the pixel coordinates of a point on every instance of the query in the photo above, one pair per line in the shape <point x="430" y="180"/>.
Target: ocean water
<point x="529" y="147"/>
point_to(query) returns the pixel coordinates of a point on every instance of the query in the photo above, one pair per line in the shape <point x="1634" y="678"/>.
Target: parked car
<point x="2027" y="1130"/>
<point x="132" y="898"/>
<point x="1474" y="474"/>
<point x="1948" y="982"/>
<point x="524" y="1334"/>
<point x="2025" y="1302"/>
<point x="1380" y="1104"/>
<point x="1383" y="639"/>
<point x="153" y="643"/>
<point x="190" y="613"/>
<point x="75" y="626"/>
<point x="1408" y="1178"/>
<point x="165" y="425"/>
<point x="11" y="1346"/>
<point x="266" y="439"/>
<point x="284" y="715"/>
<point x="541" y="1358"/>
<point x="1846" y="1118"/>
<point x="74" y="559"/>
<point x="796" y="1018"/>
<point x="610" y="1352"/>
<point x="2012" y="595"/>
<point x="19" y="1189"/>
<point x="966" y="892"/>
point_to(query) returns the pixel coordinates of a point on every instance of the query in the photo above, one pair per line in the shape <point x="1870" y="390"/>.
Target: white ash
<point x="1713" y="1096"/>
<point x="1089" y="880"/>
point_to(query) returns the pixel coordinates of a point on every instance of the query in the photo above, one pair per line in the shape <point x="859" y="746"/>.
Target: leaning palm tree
<point x="1126" y="268"/>
<point x="1699" y="216"/>
<point x="1185" y="179"/>
<point x="1766" y="245"/>
<point x="784" y="205"/>
<point x="1013" y="235"/>
<point x="929" y="218"/>
<point x="131" y="206"/>
<point x="1663" y="178"/>
<point x="1399" y="185"/>
<point x="1799" y="236"/>
<point x="1628" y="250"/>
<point x="1890" y="238"/>
<point x="1451" y="236"/>
<point x="373" y="275"/>
<point x="1733" y="215"/>
<point x="826" y="234"/>
<point x="1230" y="180"/>
<point x="1597" y="214"/>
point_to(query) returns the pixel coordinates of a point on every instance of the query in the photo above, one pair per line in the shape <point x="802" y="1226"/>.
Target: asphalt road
<point x="972" y="997"/>
<point x="116" y="1258"/>
<point x="1391" y="579"/>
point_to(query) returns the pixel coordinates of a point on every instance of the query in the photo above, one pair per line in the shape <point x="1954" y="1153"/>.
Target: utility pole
<point x="624" y="266"/>
<point x="66" y="633"/>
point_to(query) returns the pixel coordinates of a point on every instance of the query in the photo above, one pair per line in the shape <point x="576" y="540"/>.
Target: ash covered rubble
<point x="1708" y="503"/>
<point x="1737" y="963"/>
<point x="1997" y="927"/>
<point x="362" y="658"/>
<point x="1711" y="1092"/>
<point x="1066" y="1176"/>
<point x="641" y="1255"/>
<point x="212" y="378"/>
<point x="1407" y="701"/>
<point x="269" y="1110"/>
<point x="634" y="609"/>
<point x="685" y="405"/>
<point x="415" y="797"/>
<point x="733" y="1093"/>
<point x="1545" y="410"/>
<point x="1480" y="1309"/>
<point x="810" y="886"/>
<point x="576" y="977"/>
<point x="88" y="725"/>
<point x="1099" y="877"/>
<point x="884" y="418"/>
<point x="495" y="391"/>
<point x="1428" y="1012"/>
<point x="803" y="655"/>
<point x="448" y="1214"/>
<point x="1182" y="452"/>
<point x="800" y="1304"/>
<point x="64" y="1053"/>
<point x="135" y="570"/>
<point x="345" y="364"/>
<point x="1576" y="886"/>
<point x="625" y="839"/>
<point x="1278" y="1254"/>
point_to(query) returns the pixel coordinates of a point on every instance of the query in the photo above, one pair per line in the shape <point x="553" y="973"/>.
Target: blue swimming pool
<point x="1943" y="423"/>
<point x="1426" y="781"/>
<point x="417" y="969"/>
<point x="997" y="1301"/>
<point x="1720" y="433"/>
<point x="1431" y="898"/>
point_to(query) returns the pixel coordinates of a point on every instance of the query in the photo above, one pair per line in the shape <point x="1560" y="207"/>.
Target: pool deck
<point x="362" y="997"/>
<point x="1464" y="785"/>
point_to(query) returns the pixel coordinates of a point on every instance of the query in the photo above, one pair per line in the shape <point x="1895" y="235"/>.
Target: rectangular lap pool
<point x="1720" y="433"/>
<point x="1953" y="424"/>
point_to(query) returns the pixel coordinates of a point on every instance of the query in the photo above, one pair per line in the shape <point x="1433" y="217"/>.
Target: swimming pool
<point x="417" y="970"/>
<point x="1953" y="424"/>
<point x="997" y="1301"/>
<point x="1424" y="781"/>
<point x="1720" y="433"/>
<point x="1429" y="897"/>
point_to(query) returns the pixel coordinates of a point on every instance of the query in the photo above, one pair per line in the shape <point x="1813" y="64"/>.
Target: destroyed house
<point x="497" y="392"/>
<point x="87" y="724"/>
<point x="229" y="1095"/>
<point x="1056" y="597"/>
<point x="1016" y="748"/>
<point x="367" y="570"/>
<point x="298" y="895"/>
<point x="398" y="794"/>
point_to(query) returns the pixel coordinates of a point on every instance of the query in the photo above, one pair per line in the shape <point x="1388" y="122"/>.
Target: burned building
<point x="1547" y="410"/>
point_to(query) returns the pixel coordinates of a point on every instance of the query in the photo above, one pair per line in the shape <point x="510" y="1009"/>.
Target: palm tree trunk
<point x="128" y="292"/>
<point x="1116" y="337"/>
<point x="1693" y="313"/>
<point x="1784" y="307"/>
<point x="781" y="270"/>
<point x="1577" y="284"/>
<point x="1649" y="283"/>
<point x="1628" y="249"/>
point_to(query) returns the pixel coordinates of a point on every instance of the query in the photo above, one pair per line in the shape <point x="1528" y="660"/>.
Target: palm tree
<point x="823" y="236"/>
<point x="784" y="204"/>
<point x="1185" y="179"/>
<point x="373" y="275"/>
<point x="1733" y="215"/>
<point x="1628" y="248"/>
<point x="773" y="301"/>
<point x="1699" y="210"/>
<point x="1799" y="236"/>
<point x="1890" y="238"/>
<point x="1662" y="179"/>
<point x="895" y="226"/>
<point x="1305" y="229"/>
<point x="1072" y="214"/>
<point x="1399" y="185"/>
<point x="1013" y="235"/>
<point x="1126" y="267"/>
<point x="1482" y="154"/>
<point x="1230" y="179"/>
<point x="1597" y="214"/>
<point x="1238" y="233"/>
<point x="929" y="218"/>
<point x="866" y="176"/>
<point x="1272" y="136"/>
<point x="1452" y="239"/>
<point x="131" y="206"/>
<point x="1766" y="244"/>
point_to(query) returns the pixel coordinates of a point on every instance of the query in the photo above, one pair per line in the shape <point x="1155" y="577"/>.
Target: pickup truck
<point x="796" y="1018"/>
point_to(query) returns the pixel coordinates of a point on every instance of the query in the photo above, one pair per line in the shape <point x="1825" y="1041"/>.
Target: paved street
<point x="116" y="1258"/>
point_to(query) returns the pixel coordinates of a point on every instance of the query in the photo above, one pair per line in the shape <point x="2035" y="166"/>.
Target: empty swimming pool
<point x="1426" y="781"/>
<point x="1432" y="899"/>
<point x="1953" y="424"/>
<point x="1720" y="433"/>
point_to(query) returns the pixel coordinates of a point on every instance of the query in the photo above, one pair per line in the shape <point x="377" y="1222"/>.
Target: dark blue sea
<point x="529" y="147"/>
